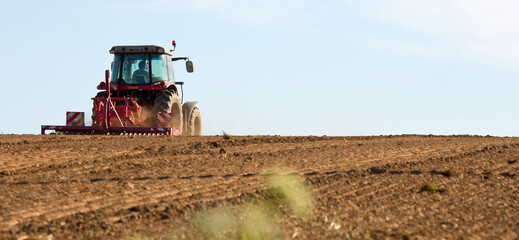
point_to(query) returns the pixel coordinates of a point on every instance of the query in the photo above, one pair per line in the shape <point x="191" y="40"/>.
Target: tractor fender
<point x="173" y="88"/>
<point x="187" y="108"/>
<point x="169" y="85"/>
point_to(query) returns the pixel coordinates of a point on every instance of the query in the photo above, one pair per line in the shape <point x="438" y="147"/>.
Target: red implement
<point x="110" y="130"/>
<point x="112" y="115"/>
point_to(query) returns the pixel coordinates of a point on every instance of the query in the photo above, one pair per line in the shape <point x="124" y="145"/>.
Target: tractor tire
<point x="194" y="123"/>
<point x="167" y="101"/>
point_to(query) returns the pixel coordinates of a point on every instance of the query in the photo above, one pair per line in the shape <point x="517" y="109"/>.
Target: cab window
<point x="134" y="69"/>
<point x="159" y="68"/>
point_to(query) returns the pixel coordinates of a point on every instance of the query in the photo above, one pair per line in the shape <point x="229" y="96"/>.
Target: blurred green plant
<point x="219" y="224"/>
<point x="426" y="186"/>
<point x="255" y="220"/>
<point x="291" y="190"/>
<point x="226" y="135"/>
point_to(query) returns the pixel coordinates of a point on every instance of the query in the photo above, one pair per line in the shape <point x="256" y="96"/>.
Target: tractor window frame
<point x="171" y="73"/>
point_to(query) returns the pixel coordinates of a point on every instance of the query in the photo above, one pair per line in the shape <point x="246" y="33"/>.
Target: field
<point x="156" y="187"/>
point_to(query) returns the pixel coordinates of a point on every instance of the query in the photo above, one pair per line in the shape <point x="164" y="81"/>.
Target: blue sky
<point x="290" y="67"/>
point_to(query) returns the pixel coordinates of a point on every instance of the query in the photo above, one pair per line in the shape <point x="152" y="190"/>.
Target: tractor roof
<point x="140" y="49"/>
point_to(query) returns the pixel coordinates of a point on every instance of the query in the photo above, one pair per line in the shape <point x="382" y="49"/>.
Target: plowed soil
<point x="118" y="187"/>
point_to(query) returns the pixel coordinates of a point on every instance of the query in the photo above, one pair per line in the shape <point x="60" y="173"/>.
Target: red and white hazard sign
<point x="164" y="119"/>
<point x="75" y="119"/>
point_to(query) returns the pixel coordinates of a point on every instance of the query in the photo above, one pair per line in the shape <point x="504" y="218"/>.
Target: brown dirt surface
<point x="122" y="187"/>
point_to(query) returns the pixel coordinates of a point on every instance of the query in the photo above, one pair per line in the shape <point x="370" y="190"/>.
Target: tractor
<point x="141" y="97"/>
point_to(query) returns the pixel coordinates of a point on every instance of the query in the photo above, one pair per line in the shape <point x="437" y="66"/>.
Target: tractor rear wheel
<point x="194" y="123"/>
<point x="167" y="101"/>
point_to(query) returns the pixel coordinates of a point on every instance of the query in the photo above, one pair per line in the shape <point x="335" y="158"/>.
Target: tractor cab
<point x="143" y="65"/>
<point x="141" y="69"/>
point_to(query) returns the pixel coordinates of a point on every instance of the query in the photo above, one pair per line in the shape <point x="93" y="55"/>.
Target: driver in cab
<point x="140" y="75"/>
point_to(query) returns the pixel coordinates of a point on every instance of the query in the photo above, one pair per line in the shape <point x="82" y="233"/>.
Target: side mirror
<point x="189" y="66"/>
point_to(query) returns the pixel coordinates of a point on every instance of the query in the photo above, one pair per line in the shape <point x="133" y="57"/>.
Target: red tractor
<point x="142" y="97"/>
